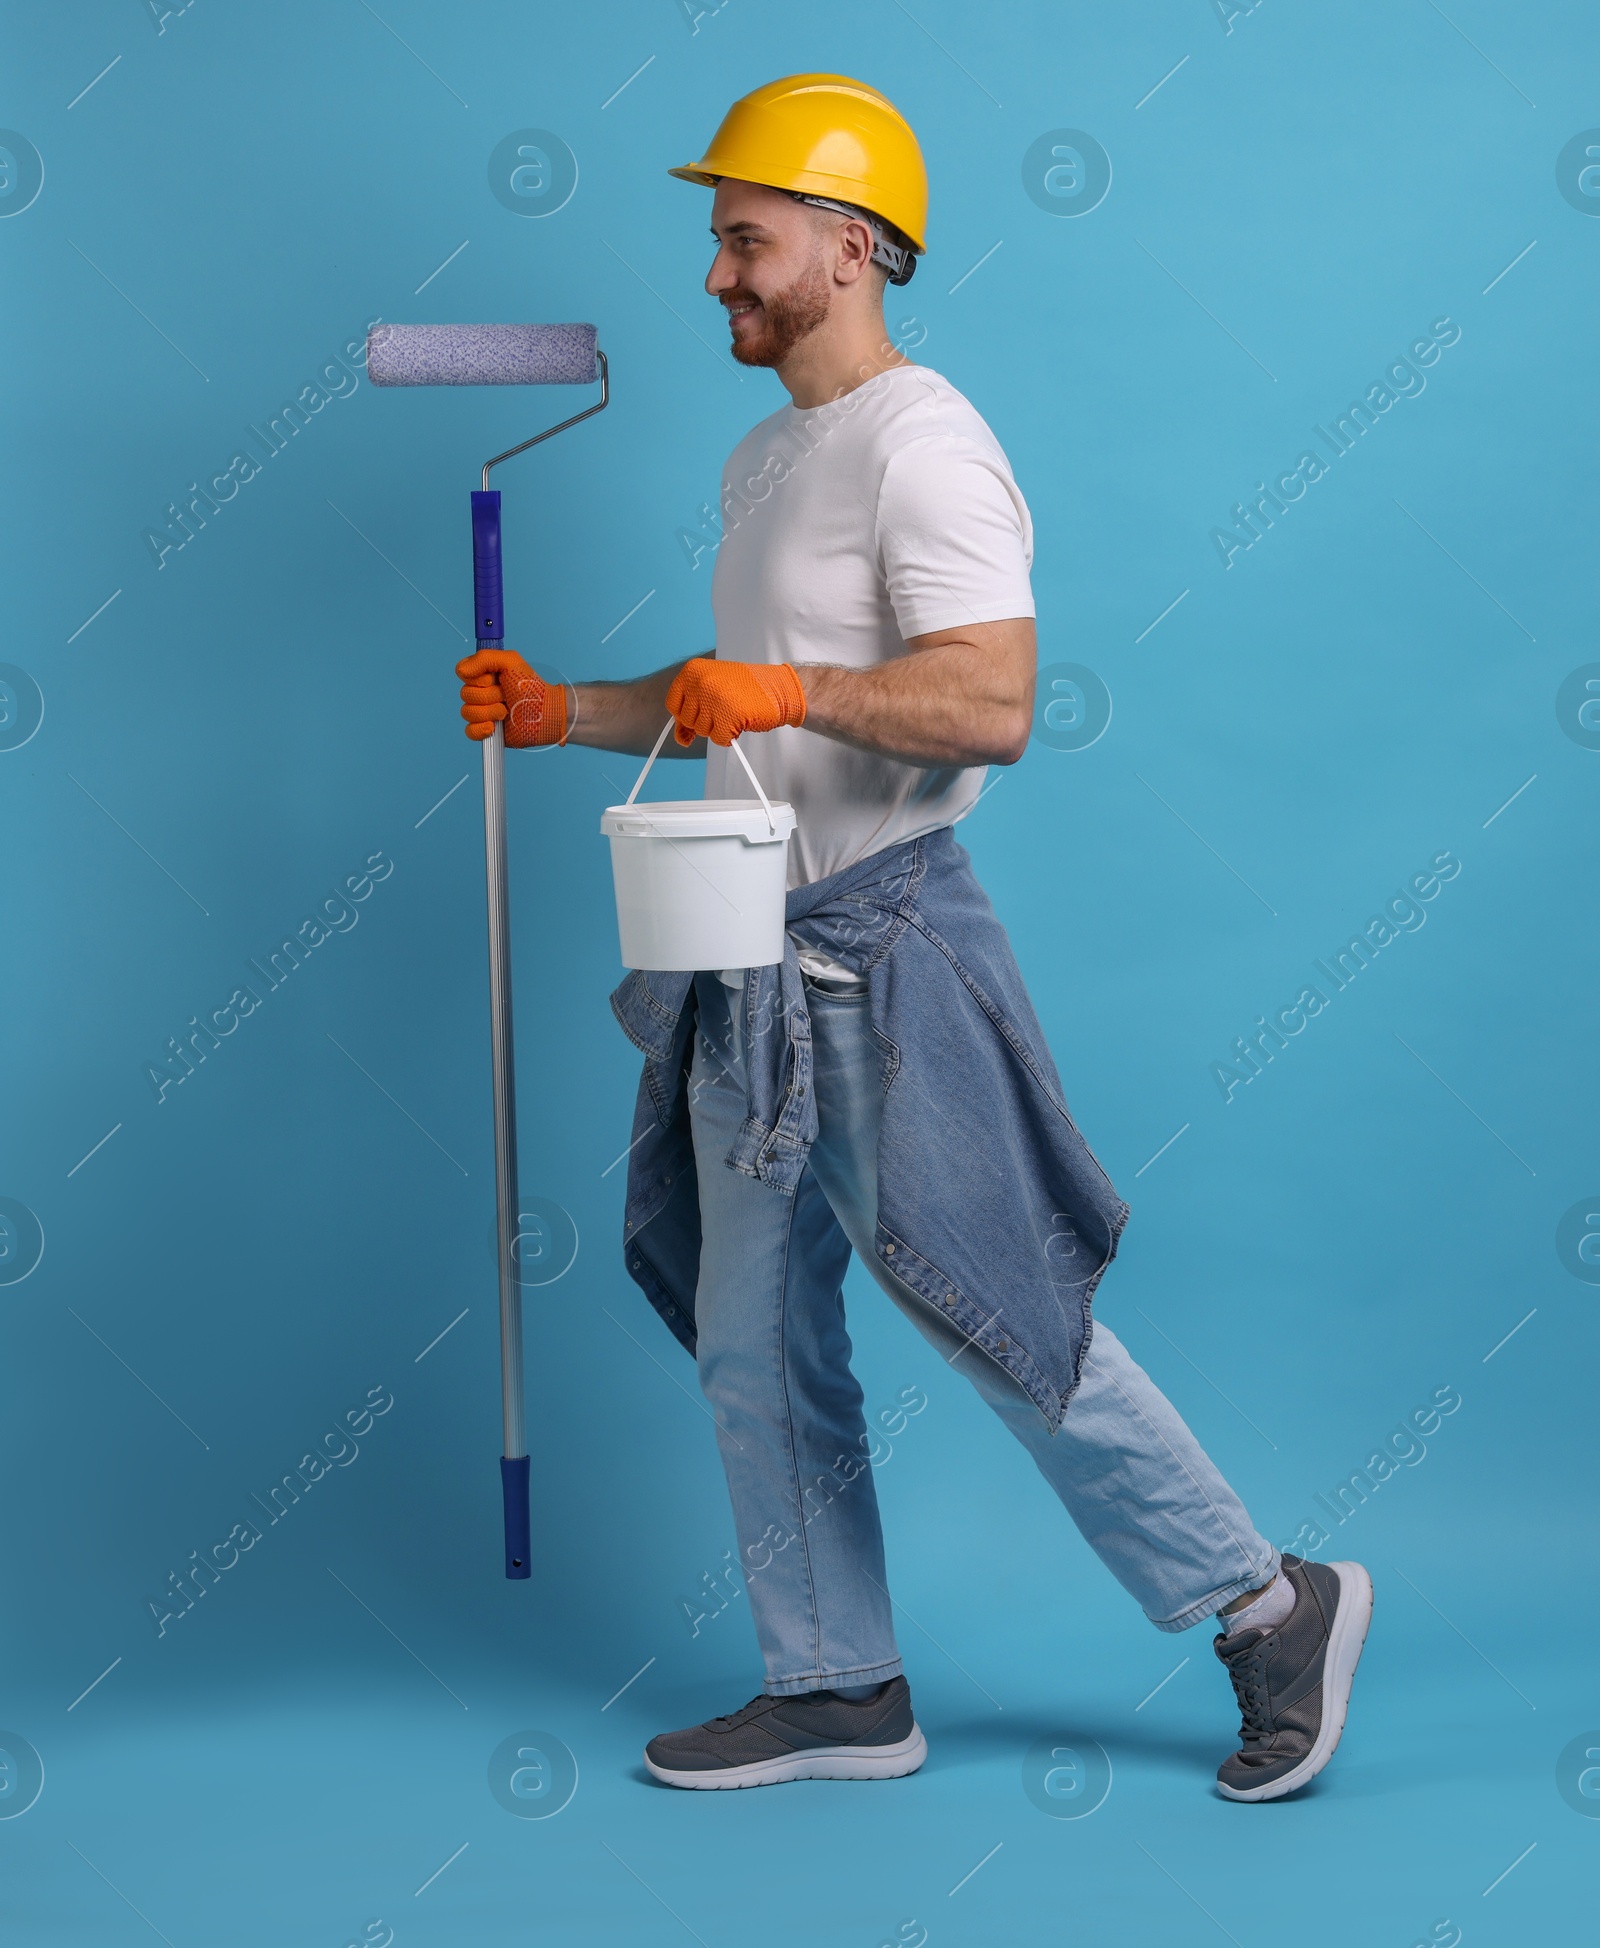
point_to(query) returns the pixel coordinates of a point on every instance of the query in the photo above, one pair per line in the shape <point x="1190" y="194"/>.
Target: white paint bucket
<point x="700" y="882"/>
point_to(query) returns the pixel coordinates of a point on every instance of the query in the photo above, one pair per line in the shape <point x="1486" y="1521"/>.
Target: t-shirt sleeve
<point x="954" y="539"/>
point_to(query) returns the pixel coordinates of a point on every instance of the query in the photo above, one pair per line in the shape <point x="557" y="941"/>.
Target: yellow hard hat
<point x="824" y="136"/>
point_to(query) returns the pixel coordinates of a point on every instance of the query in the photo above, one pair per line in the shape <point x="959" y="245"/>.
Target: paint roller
<point x="497" y="355"/>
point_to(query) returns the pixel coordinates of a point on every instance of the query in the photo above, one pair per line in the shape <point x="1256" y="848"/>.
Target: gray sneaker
<point x="1293" y="1683"/>
<point x="816" y="1735"/>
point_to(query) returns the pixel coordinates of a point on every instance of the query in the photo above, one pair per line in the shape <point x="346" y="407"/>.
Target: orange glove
<point x="720" y="700"/>
<point x="498" y="687"/>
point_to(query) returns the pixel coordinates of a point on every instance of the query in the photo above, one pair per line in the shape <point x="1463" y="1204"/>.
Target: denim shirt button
<point x="888" y="1251"/>
<point x="1000" y="1346"/>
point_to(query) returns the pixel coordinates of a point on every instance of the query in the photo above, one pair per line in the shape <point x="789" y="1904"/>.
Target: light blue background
<point x="221" y="212"/>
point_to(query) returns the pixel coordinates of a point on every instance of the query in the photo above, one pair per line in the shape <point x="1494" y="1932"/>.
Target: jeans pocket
<point x="849" y="994"/>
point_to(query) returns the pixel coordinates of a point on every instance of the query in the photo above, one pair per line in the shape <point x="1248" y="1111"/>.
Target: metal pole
<point x="514" y="1465"/>
<point x="505" y="1091"/>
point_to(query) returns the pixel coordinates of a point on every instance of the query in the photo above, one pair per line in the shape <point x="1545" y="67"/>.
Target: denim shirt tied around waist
<point x="991" y="1207"/>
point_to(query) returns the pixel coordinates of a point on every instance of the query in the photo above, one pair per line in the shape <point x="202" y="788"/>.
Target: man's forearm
<point x="626" y="716"/>
<point x="958" y="697"/>
<point x="953" y="703"/>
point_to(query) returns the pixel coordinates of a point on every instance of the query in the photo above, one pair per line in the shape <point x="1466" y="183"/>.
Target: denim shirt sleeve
<point x="661" y="1221"/>
<point x="656" y="1012"/>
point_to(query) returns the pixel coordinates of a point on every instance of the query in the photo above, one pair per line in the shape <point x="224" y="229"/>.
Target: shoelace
<point x="733" y="1717"/>
<point x="1248" y="1669"/>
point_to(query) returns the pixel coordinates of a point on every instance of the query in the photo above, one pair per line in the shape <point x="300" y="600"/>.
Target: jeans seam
<point x="1134" y="1408"/>
<point x="726" y="1065"/>
<point x="788" y="1420"/>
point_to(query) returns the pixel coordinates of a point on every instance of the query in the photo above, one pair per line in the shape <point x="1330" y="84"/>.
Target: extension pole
<point x="489" y="633"/>
<point x="514" y="1450"/>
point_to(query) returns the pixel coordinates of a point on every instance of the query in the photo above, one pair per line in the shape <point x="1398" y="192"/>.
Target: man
<point x="887" y="1088"/>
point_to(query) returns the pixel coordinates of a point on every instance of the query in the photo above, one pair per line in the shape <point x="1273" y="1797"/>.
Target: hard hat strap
<point x="898" y="259"/>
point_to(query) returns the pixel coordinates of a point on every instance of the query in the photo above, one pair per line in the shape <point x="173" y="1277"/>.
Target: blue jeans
<point x="774" y="1365"/>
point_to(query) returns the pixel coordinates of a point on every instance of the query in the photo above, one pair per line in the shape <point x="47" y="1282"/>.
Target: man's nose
<point x="722" y="276"/>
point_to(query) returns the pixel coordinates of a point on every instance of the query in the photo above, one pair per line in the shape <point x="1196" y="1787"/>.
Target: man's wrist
<point x="822" y="685"/>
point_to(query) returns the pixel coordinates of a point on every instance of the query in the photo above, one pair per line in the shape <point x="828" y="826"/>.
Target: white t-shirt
<point x="847" y="528"/>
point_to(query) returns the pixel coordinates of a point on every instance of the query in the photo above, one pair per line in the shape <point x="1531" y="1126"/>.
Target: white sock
<point x="1270" y="1608"/>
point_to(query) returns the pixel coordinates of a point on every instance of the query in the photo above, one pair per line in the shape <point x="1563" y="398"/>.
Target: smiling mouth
<point x="741" y="309"/>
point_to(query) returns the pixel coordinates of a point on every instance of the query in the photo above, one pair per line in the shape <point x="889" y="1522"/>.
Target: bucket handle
<point x="766" y="805"/>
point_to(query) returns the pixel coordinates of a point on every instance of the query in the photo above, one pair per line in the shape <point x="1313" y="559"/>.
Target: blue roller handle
<point x="519" y="1546"/>
<point x="489" y="626"/>
<point x="488" y="592"/>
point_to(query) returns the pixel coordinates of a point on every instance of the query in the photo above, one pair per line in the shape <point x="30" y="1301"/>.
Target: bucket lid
<point x="699" y="818"/>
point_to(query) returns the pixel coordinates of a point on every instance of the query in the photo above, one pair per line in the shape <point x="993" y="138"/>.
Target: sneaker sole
<point x="1345" y="1640"/>
<point x="829" y="1762"/>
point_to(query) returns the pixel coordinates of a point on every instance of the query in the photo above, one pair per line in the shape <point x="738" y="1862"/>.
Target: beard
<point x="788" y="316"/>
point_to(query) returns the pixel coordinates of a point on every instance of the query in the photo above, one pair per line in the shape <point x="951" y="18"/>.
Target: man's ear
<point x="852" y="251"/>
